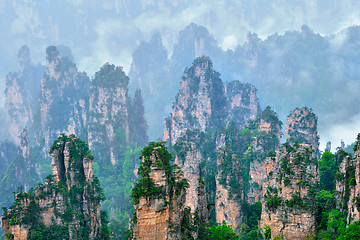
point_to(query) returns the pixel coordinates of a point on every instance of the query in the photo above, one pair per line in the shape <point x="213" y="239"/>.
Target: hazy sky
<point x="109" y="30"/>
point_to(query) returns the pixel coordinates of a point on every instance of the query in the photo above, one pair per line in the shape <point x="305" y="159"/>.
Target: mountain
<point x="67" y="205"/>
<point x="66" y="101"/>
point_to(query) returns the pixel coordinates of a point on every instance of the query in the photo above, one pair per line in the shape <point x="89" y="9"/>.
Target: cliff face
<point x="301" y="126"/>
<point x="289" y="192"/>
<point x="67" y="206"/>
<point x="114" y="120"/>
<point x="22" y="89"/>
<point x="204" y="102"/>
<point x="64" y="97"/>
<point x="109" y="114"/>
<point x="200" y="102"/>
<point x="202" y="107"/>
<point x="242" y="102"/>
<point x="159" y="197"/>
<point x="265" y="143"/>
<point x="348" y="185"/>
<point x="292" y="176"/>
<point x="228" y="197"/>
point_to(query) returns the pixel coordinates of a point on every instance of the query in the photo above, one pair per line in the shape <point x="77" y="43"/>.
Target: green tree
<point x="222" y="232"/>
<point x="327" y="168"/>
<point x="351" y="232"/>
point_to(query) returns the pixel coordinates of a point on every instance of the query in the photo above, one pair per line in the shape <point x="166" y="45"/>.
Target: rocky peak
<point x="159" y="196"/>
<point x="204" y="102"/>
<point x="200" y="102"/>
<point x="109" y="110"/>
<point x="67" y="205"/>
<point x="71" y="161"/>
<point x="24" y="58"/>
<point x="22" y="88"/>
<point x="301" y="126"/>
<point x="242" y="101"/>
<point x="288" y="206"/>
<point x="64" y="97"/>
<point x="194" y="41"/>
<point x="266" y="140"/>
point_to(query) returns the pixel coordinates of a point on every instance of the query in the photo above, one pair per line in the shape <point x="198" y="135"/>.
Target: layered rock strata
<point x="160" y="210"/>
<point x="68" y="203"/>
<point x="204" y="102"/>
<point x="301" y="126"/>
<point x="265" y="143"/>
<point x="348" y="185"/>
<point x="288" y="206"/>
<point x="63" y="98"/>
<point x="22" y="89"/>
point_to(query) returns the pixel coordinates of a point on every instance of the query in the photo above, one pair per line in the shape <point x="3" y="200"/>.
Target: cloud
<point x="76" y="3"/>
<point x="115" y="43"/>
<point x="337" y="131"/>
<point x="229" y="42"/>
<point x="27" y="18"/>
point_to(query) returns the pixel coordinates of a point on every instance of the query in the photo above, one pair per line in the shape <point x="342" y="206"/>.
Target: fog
<point x="110" y="31"/>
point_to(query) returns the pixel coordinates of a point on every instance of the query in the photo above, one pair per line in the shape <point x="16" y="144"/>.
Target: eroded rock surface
<point x="68" y="202"/>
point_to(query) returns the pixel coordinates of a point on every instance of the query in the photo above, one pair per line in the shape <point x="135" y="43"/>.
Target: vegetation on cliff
<point x="68" y="204"/>
<point x="145" y="186"/>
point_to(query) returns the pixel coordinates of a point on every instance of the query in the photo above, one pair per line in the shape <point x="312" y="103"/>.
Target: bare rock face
<point x="346" y="168"/>
<point x="242" y="102"/>
<point x="64" y="97"/>
<point x="266" y="142"/>
<point x="348" y="185"/>
<point x="20" y="94"/>
<point x="228" y="197"/>
<point x="159" y="197"/>
<point x="68" y="203"/>
<point x="301" y="126"/>
<point x="289" y="192"/>
<point x="202" y="107"/>
<point x="109" y="113"/>
<point x="200" y="102"/>
<point x="204" y="102"/>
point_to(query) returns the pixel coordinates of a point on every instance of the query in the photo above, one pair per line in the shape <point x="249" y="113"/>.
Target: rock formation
<point x="113" y="119"/>
<point x="292" y="176"/>
<point x="265" y="143"/>
<point x="203" y="102"/>
<point x="67" y="206"/>
<point x="64" y="97"/>
<point x="22" y="89"/>
<point x="348" y="184"/>
<point x="242" y="102"/>
<point x="109" y="114"/>
<point x="301" y="126"/>
<point x="229" y="185"/>
<point x="202" y="107"/>
<point x="288" y="206"/>
<point x="159" y="197"/>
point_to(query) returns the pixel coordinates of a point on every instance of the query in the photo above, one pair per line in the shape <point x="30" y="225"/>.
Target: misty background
<point x="315" y="36"/>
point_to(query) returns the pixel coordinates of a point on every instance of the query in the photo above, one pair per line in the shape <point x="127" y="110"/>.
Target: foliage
<point x="267" y="233"/>
<point x="27" y="211"/>
<point x="252" y="215"/>
<point x="352" y="231"/>
<point x="328" y="169"/>
<point x="110" y="76"/>
<point x="157" y="155"/>
<point x="273" y="202"/>
<point x="222" y="232"/>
